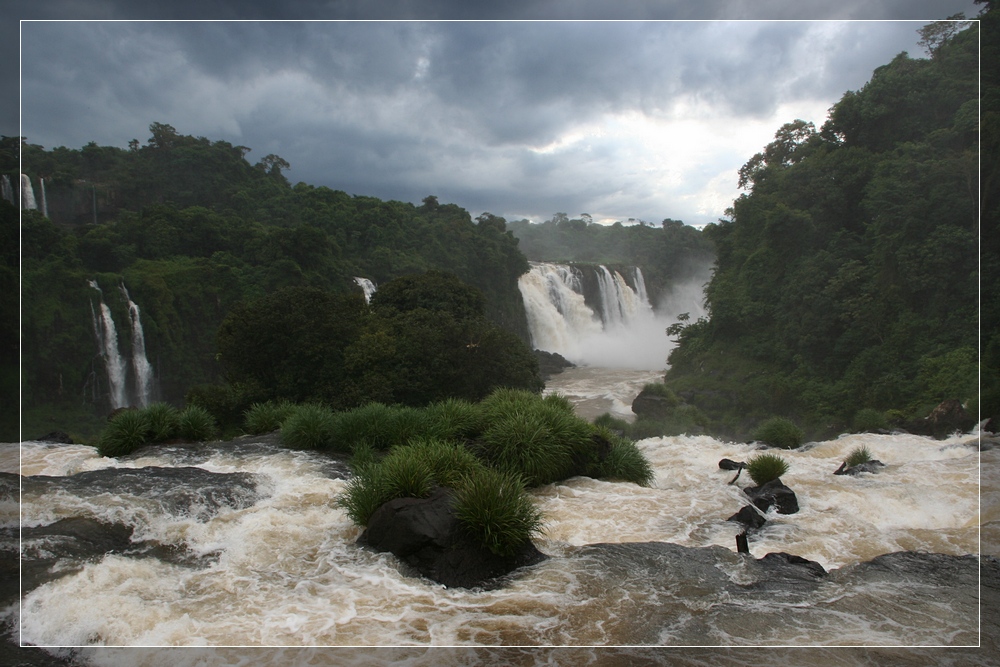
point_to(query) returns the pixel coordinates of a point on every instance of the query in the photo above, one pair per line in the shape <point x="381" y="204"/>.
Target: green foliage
<point x="449" y="462"/>
<point x="846" y="275"/>
<point x="611" y="423"/>
<point x="868" y="419"/>
<point x="456" y="419"/>
<point x="310" y="426"/>
<point x="764" y="468"/>
<point x="539" y="443"/>
<point x="779" y="432"/>
<point x="196" y="424"/>
<point x="858" y="456"/>
<point x="162" y="421"/>
<point x="125" y="433"/>
<point x="267" y="416"/>
<point x="625" y="462"/>
<point x="493" y="508"/>
<point x="403" y="473"/>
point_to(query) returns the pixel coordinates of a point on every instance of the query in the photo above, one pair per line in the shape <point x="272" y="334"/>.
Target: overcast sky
<point x="638" y="119"/>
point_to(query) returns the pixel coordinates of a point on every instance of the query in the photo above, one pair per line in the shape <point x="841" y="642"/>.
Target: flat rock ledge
<point x="425" y="534"/>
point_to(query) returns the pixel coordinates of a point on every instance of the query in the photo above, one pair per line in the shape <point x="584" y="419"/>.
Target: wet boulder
<point x="728" y="464"/>
<point x="654" y="403"/>
<point x="58" y="437"/>
<point x="947" y="418"/>
<point x="425" y="534"/>
<point x="773" y="494"/>
<point x="749" y="516"/>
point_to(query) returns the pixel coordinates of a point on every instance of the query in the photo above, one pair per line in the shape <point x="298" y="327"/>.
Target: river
<point x="261" y="556"/>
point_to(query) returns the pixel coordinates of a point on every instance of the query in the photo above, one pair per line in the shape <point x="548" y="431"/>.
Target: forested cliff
<point x="847" y="274"/>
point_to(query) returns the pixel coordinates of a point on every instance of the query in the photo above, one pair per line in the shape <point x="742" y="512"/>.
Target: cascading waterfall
<point x="130" y="381"/>
<point x="107" y="340"/>
<point x="45" y="203"/>
<point x="27" y="193"/>
<point x="618" y="329"/>
<point x="6" y="191"/>
<point x="140" y="364"/>
<point x="367" y="286"/>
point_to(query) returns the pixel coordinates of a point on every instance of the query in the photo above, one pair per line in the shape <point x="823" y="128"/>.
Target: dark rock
<point x="57" y="437"/>
<point x="774" y="493"/>
<point x="551" y="363"/>
<point x="727" y="464"/>
<point x="793" y="566"/>
<point x="749" y="517"/>
<point x="649" y="405"/>
<point x="872" y="466"/>
<point x="992" y="425"/>
<point x="424" y="533"/>
<point x="944" y="420"/>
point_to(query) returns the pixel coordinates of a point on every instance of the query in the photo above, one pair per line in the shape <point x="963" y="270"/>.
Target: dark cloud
<point x="511" y="117"/>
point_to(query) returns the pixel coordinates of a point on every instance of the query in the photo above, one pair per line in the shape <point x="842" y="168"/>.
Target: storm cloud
<point x="637" y="119"/>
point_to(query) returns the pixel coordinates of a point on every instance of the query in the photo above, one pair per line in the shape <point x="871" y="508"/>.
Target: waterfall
<point x="45" y="203"/>
<point x="367" y="286"/>
<point x="593" y="316"/>
<point x="143" y="370"/>
<point x="6" y="191"/>
<point x="27" y="193"/>
<point x="107" y="340"/>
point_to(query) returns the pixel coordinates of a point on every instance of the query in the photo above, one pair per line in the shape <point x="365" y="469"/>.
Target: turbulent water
<point x="241" y="544"/>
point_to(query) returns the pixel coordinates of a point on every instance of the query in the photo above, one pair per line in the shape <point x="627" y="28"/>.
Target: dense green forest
<point x="847" y="275"/>
<point x="669" y="253"/>
<point x="191" y="229"/>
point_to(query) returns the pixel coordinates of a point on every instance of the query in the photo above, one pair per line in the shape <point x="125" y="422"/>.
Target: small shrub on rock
<point x="456" y="419"/>
<point x="309" y="426"/>
<point x="858" y="456"/>
<point x="448" y="461"/>
<point x="401" y="474"/>
<point x="196" y="424"/>
<point x="779" y="432"/>
<point x="764" y="468"/>
<point x="128" y="431"/>
<point x="494" y="509"/>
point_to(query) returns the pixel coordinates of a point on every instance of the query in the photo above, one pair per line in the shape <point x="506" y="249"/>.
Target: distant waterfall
<point x="594" y="316"/>
<point x="27" y="193"/>
<point x="143" y="371"/>
<point x="107" y="342"/>
<point x="45" y="203"/>
<point x="130" y="381"/>
<point x="367" y="286"/>
<point x="6" y="191"/>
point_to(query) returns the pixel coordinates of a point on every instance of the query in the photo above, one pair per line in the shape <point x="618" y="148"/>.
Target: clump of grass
<point x="162" y="421"/>
<point x="267" y="416"/>
<point x="401" y="474"/>
<point x="779" y="432"/>
<point x="494" y="509"/>
<point x="558" y="402"/>
<point x="539" y="443"/>
<point x="612" y="423"/>
<point x="868" y="419"/>
<point x="448" y="461"/>
<point x="858" y="456"/>
<point x="369" y="424"/>
<point x="456" y="419"/>
<point x="625" y="462"/>
<point x="764" y="468"/>
<point x="309" y="426"/>
<point x="125" y="433"/>
<point x="196" y="424"/>
<point x="505" y="401"/>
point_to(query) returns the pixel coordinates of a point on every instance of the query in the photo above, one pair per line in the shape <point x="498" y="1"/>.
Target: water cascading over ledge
<point x="131" y="380"/>
<point x="595" y="315"/>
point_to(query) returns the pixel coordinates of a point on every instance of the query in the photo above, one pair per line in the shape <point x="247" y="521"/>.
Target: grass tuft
<point x="494" y="509"/>
<point x="128" y="431"/>
<point x="196" y="424"/>
<point x="309" y="426"/>
<point x="764" y="468"/>
<point x="625" y="462"/>
<point x="858" y="456"/>
<point x="266" y="417"/>
<point x="161" y="419"/>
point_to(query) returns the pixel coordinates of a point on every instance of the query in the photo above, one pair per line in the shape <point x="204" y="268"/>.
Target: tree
<point x="934" y="35"/>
